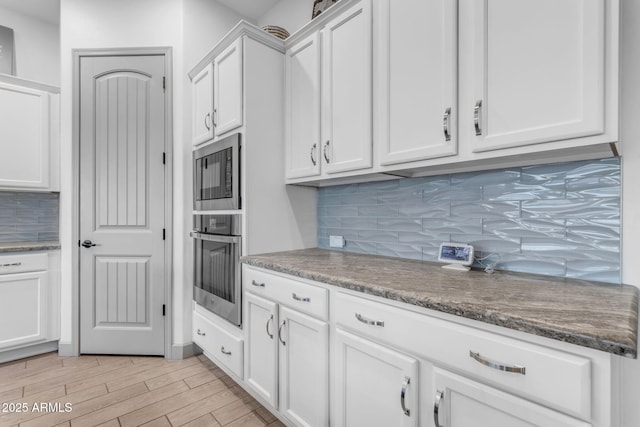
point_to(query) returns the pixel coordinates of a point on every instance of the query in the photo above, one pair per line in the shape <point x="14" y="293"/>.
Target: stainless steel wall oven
<point x="217" y="250"/>
<point x="216" y="175"/>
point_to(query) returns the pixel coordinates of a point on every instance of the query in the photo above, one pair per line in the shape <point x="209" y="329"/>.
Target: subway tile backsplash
<point x="560" y="219"/>
<point x="29" y="217"/>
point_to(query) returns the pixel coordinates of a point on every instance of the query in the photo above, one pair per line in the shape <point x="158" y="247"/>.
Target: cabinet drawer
<point x="554" y="378"/>
<point x="22" y="263"/>
<point x="218" y="344"/>
<point x="309" y="299"/>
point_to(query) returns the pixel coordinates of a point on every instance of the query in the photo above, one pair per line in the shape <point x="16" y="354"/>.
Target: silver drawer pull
<point x="495" y="365"/>
<point x="445" y="124"/>
<point x="269" y="320"/>
<point x="313" y="159"/>
<point x="297" y="298"/>
<point x="369" y="321"/>
<point x="199" y="332"/>
<point x="476" y="117"/>
<point x="436" y="408"/>
<point x="259" y="285"/>
<point x="405" y="385"/>
<point x="13" y="264"/>
<point x="280" y="332"/>
<point x="223" y="351"/>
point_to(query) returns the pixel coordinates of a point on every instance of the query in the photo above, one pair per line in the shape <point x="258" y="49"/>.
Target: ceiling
<point x="252" y="9"/>
<point x="46" y="10"/>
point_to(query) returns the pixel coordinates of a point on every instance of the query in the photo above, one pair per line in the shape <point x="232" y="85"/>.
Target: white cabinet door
<point x="461" y="402"/>
<point x="373" y="385"/>
<point x="304" y="368"/>
<point x="261" y="361"/>
<point x="202" y="86"/>
<point x="25" y="137"/>
<point x="23" y="308"/>
<point x="347" y="142"/>
<point x="302" y="105"/>
<point x="227" y="71"/>
<point x="531" y="71"/>
<point x="416" y="79"/>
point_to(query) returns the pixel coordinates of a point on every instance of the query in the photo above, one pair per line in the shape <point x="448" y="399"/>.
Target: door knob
<point x="88" y="243"/>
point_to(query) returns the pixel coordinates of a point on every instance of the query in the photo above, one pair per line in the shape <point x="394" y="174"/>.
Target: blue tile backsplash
<point x="559" y="219"/>
<point x="29" y="217"/>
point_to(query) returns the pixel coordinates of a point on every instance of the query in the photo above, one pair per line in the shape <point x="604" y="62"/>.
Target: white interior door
<point x="122" y="194"/>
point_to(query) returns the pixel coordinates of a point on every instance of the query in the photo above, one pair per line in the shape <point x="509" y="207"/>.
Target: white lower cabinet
<point x="287" y="360"/>
<point x="462" y="402"/>
<point x="28" y="300"/>
<point x="393" y="364"/>
<point x="373" y="385"/>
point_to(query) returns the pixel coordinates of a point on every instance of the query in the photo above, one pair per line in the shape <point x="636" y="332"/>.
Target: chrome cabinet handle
<point x="324" y="151"/>
<point x="215" y="117"/>
<point x="436" y="408"/>
<point x="445" y="124"/>
<point x="259" y="285"/>
<point x="405" y="384"/>
<point x="476" y="117"/>
<point x="13" y="264"/>
<point x="313" y="148"/>
<point x="268" y="332"/>
<point x="369" y="321"/>
<point x="207" y="121"/>
<point x="297" y="298"/>
<point x="516" y="369"/>
<point x="199" y="332"/>
<point x="280" y="332"/>
<point x="223" y="351"/>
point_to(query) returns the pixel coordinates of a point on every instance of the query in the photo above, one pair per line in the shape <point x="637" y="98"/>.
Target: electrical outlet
<point x="336" y="242"/>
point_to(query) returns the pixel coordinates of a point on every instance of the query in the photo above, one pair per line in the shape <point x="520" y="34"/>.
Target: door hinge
<point x="164" y="234"/>
<point x="164" y="84"/>
<point x="164" y="310"/>
<point x="164" y="158"/>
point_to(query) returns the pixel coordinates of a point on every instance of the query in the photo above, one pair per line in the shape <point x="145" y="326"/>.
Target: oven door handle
<point x="216" y="238"/>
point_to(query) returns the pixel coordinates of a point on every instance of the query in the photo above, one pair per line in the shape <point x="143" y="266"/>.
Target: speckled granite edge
<point x="616" y="338"/>
<point x="28" y="246"/>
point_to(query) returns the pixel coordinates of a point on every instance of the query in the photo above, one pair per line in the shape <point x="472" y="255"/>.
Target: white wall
<point x="112" y="24"/>
<point x="288" y="14"/>
<point x="37" y="47"/>
<point x="191" y="28"/>
<point x="630" y="142"/>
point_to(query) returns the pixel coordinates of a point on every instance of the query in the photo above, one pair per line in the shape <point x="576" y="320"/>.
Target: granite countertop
<point x="29" y="246"/>
<point x="596" y="315"/>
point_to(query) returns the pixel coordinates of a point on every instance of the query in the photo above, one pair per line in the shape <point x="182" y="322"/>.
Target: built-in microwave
<point x="216" y="175"/>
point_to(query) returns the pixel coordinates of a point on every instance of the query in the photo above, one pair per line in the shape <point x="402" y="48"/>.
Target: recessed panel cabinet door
<point x="304" y="368"/>
<point x="347" y="94"/>
<point x="227" y="104"/>
<point x="202" y="125"/>
<point x="261" y="360"/>
<point x="416" y="79"/>
<point x="23" y="308"/>
<point x="374" y="386"/>
<point x="302" y="103"/>
<point x="461" y="402"/>
<point x="531" y="71"/>
<point x="24" y="137"/>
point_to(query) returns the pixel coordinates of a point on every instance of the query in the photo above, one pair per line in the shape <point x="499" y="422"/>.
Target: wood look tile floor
<point x="118" y="391"/>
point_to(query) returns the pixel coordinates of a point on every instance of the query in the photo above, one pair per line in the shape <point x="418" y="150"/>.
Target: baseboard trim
<point x="182" y="351"/>
<point x="67" y="349"/>
<point x="32" y="350"/>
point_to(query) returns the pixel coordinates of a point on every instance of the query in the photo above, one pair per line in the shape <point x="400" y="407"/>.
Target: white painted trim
<point x="5" y="78"/>
<point x="73" y="348"/>
<point x="32" y="350"/>
<point x="183" y="351"/>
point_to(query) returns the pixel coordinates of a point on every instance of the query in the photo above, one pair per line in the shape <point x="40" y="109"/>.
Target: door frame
<point x="73" y="349"/>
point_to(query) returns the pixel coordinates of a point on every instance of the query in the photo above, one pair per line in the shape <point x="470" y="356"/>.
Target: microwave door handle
<point x="216" y="238"/>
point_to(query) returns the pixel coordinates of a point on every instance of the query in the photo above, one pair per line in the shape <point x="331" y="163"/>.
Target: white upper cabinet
<point x="532" y="72"/>
<point x="302" y="104"/>
<point x="202" y="122"/>
<point x="347" y="137"/>
<point x="227" y="94"/>
<point x="29" y="126"/>
<point x="416" y="79"/>
<point x="329" y="113"/>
